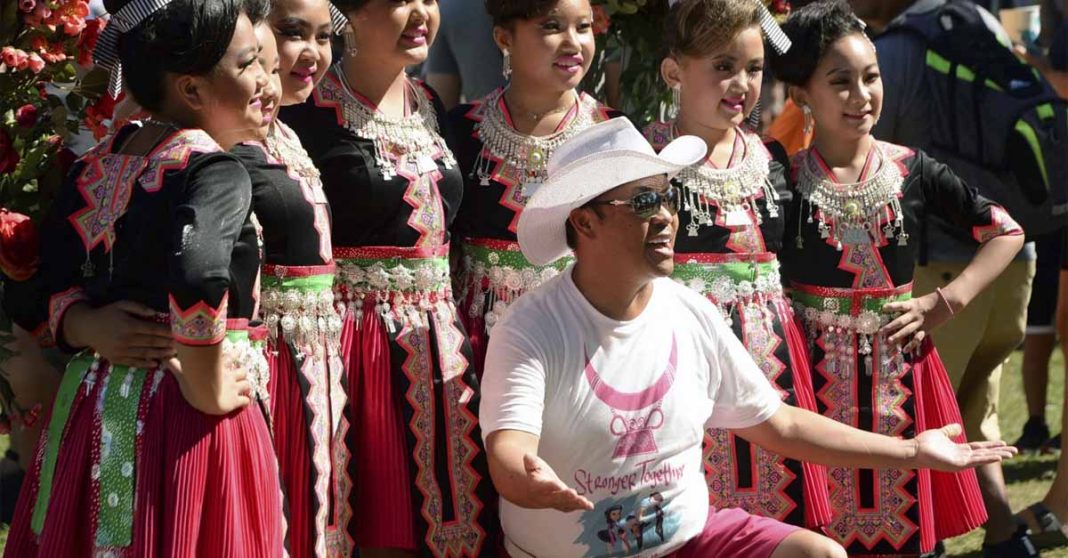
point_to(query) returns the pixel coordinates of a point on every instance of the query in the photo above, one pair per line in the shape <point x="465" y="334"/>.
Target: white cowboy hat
<point x="596" y="160"/>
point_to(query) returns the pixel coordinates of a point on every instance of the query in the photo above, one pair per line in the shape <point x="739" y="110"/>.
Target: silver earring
<point x="676" y="101"/>
<point x="506" y="68"/>
<point x="810" y="122"/>
<point x="350" y="41"/>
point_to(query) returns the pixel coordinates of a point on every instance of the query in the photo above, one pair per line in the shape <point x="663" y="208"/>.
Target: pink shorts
<point x="733" y="533"/>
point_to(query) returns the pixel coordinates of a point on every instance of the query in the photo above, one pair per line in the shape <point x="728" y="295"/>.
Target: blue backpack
<point x="993" y="110"/>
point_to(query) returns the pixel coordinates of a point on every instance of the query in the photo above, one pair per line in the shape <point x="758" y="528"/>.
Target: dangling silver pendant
<point x="737" y="218"/>
<point x="426" y="164"/>
<point x="530" y="187"/>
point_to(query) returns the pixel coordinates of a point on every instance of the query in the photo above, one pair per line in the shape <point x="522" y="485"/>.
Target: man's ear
<point x="583" y="220"/>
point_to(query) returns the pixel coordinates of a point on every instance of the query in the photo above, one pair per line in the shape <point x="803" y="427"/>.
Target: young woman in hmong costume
<point x="307" y="399"/>
<point x="731" y="226"/>
<point x="172" y="460"/>
<point x="852" y="228"/>
<point x="503" y="143"/>
<point x="419" y="472"/>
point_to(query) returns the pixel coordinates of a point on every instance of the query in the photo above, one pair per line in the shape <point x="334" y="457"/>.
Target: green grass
<point x="1028" y="478"/>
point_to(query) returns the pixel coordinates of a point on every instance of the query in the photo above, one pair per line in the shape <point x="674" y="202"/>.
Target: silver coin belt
<point x="499" y="286"/>
<point x="403" y="290"/>
<point x="306" y="317"/>
<point x="244" y="354"/>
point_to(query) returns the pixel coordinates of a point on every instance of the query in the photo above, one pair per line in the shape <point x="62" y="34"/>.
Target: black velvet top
<point x="289" y="205"/>
<point x="370" y="209"/>
<point x="762" y="231"/>
<point x="170" y="230"/>
<point x="928" y="187"/>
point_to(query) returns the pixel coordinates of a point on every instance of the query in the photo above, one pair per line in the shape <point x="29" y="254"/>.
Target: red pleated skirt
<point x="739" y="474"/>
<point x="205" y="485"/>
<point x="312" y="458"/>
<point x="945" y="504"/>
<point x="773" y="481"/>
<point x="955" y="496"/>
<point x="418" y="468"/>
<point x="293" y="451"/>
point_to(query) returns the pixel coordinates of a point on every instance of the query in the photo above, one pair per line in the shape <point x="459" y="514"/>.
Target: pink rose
<point x="39" y="14"/>
<point x="35" y="62"/>
<point x="27" y="6"/>
<point x="7" y="56"/>
<point x="14" y="58"/>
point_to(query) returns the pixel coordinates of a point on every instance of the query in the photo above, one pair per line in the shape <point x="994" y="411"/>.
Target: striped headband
<point x="106" y="53"/>
<point x="338" y="19"/>
<point x="779" y="41"/>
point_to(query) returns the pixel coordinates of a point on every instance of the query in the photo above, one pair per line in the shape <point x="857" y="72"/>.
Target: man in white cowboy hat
<point x="598" y="385"/>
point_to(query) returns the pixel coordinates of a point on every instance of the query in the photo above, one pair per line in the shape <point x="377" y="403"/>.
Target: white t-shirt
<point x="620" y="408"/>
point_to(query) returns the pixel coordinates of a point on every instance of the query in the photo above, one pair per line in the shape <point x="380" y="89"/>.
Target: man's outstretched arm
<point x="523" y="478"/>
<point x="807" y="436"/>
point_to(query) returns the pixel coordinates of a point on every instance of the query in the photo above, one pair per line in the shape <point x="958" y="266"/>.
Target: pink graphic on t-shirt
<point x="636" y="432"/>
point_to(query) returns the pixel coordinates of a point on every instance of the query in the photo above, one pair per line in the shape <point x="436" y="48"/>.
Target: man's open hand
<point x="935" y="449"/>
<point x="547" y="490"/>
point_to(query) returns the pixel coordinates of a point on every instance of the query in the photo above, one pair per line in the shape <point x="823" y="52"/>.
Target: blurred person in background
<point x="464" y="64"/>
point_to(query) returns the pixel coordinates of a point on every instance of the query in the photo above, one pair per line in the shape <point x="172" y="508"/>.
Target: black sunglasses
<point x="647" y="204"/>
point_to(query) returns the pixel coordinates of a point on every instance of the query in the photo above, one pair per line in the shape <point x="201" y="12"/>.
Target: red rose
<point x="779" y="7"/>
<point x="87" y="40"/>
<point x="50" y="52"/>
<point x="19" y="245"/>
<point x="26" y="116"/>
<point x="105" y="107"/>
<point x="9" y="158"/>
<point x="601" y="21"/>
<point x="71" y="15"/>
